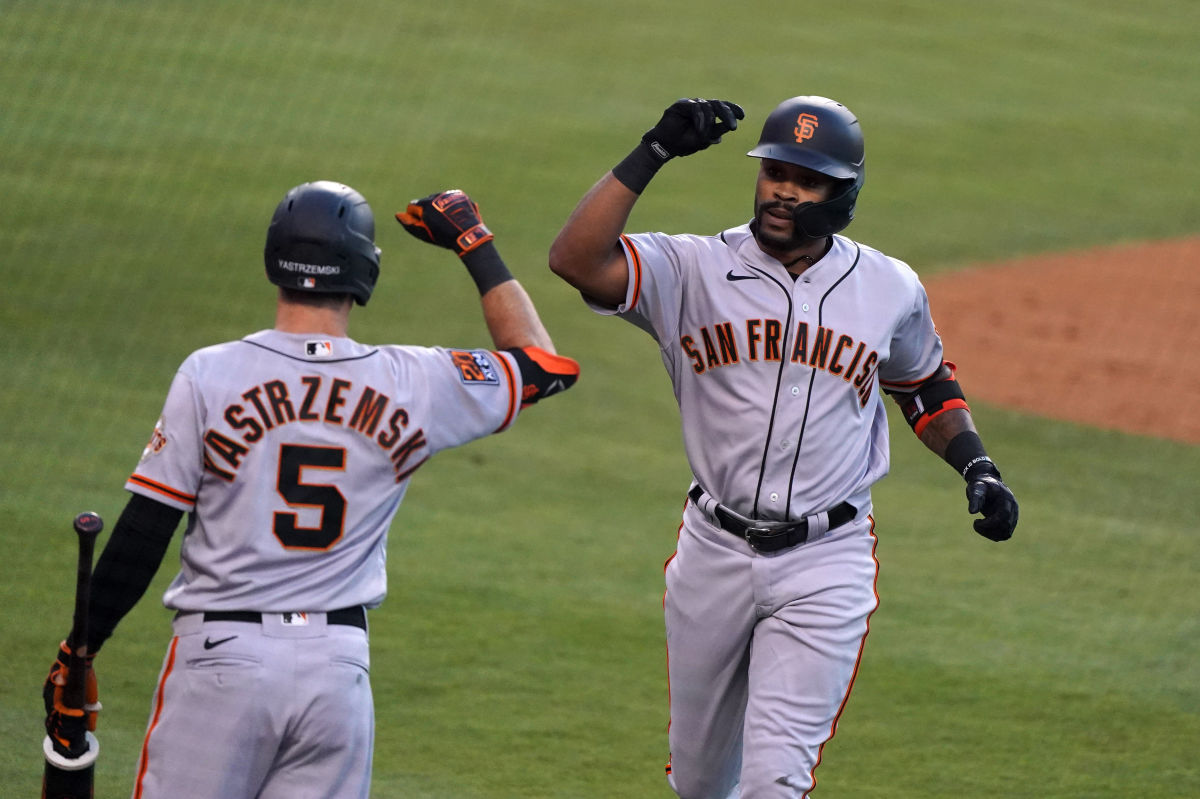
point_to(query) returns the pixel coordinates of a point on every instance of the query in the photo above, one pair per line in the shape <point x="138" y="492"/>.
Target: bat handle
<point x="87" y="526"/>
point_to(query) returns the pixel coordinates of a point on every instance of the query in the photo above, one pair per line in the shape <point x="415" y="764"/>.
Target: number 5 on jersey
<point x="293" y="459"/>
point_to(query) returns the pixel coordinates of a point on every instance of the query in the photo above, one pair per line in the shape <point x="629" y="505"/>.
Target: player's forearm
<point x="941" y="429"/>
<point x="512" y="319"/>
<point x="128" y="564"/>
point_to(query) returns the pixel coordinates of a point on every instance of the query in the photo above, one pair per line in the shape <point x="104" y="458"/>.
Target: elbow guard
<point x="543" y="373"/>
<point x="935" y="396"/>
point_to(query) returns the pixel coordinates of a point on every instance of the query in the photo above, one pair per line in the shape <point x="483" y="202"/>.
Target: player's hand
<point x="66" y="725"/>
<point x="987" y="494"/>
<point x="691" y="125"/>
<point x="448" y="219"/>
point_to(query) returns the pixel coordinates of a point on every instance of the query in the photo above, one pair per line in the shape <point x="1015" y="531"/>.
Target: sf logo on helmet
<point x="806" y="126"/>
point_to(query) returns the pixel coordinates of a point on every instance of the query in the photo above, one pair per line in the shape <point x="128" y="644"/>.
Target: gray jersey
<point x="734" y="327"/>
<point x="291" y="454"/>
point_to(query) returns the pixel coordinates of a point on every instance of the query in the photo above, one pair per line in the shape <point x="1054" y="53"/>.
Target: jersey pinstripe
<point x="292" y="453"/>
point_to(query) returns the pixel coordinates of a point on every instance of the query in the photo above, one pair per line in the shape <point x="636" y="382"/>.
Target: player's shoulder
<point x="878" y="263"/>
<point x="693" y="242"/>
<point x="273" y="344"/>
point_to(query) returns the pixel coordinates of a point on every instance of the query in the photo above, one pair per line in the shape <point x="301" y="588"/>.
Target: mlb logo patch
<point x="322" y="348"/>
<point x="308" y="283"/>
<point x="294" y="619"/>
<point x="474" y="367"/>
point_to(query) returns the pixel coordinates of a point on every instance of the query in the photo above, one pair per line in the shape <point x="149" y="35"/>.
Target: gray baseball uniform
<point x="734" y="327"/>
<point x="330" y="432"/>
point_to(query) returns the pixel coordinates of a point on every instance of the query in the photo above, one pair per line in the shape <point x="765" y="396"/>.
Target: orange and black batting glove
<point x="448" y="219"/>
<point x="64" y="724"/>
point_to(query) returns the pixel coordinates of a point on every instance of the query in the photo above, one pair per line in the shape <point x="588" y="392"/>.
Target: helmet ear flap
<point x="818" y="220"/>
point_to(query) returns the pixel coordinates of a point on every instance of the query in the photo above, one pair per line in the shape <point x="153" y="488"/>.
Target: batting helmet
<point x="822" y="135"/>
<point x="322" y="239"/>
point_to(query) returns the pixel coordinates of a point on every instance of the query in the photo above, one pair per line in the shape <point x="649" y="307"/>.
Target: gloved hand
<point x="691" y="125"/>
<point x="686" y="127"/>
<point x="987" y="494"/>
<point x="448" y="219"/>
<point x="66" y="725"/>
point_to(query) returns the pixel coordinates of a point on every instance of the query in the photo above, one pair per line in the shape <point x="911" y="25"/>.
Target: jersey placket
<point x="793" y="397"/>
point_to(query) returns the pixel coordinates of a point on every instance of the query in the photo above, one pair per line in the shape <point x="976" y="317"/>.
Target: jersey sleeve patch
<point x="474" y="367"/>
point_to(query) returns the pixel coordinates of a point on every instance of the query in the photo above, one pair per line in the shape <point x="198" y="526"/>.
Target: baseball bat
<point x="67" y="778"/>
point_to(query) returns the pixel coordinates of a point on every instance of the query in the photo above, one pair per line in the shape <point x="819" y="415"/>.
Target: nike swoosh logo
<point x="730" y="276"/>
<point x="209" y="643"/>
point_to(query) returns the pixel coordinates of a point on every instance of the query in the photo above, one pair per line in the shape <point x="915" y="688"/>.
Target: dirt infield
<point x="1104" y="337"/>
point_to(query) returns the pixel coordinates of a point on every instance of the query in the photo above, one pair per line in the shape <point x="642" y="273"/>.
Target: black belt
<point x="355" y="616"/>
<point x="773" y="539"/>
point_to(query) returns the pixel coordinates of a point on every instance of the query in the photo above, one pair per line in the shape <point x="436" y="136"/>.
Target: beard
<point x="774" y="241"/>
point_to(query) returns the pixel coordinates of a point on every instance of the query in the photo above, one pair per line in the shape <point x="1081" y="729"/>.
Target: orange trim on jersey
<point x="666" y="647"/>
<point x="143" y="761"/>
<point x="857" y="661"/>
<point x="513" y="399"/>
<point x="919" y="427"/>
<point x="165" y="490"/>
<point x="636" y="259"/>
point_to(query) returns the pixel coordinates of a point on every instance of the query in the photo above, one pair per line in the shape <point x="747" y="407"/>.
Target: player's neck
<point x="800" y="258"/>
<point x="293" y="318"/>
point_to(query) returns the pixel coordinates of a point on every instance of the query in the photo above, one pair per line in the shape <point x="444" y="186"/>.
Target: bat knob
<point x="88" y="522"/>
<point x="68" y="763"/>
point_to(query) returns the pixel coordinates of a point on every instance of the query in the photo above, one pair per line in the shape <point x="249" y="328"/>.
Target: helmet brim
<point x="810" y="159"/>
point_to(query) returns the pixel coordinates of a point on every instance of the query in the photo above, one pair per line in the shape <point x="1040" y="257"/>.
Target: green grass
<point x="519" y="652"/>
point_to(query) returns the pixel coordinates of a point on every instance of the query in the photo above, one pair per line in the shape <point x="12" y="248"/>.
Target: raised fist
<point x="691" y="125"/>
<point x="448" y="219"/>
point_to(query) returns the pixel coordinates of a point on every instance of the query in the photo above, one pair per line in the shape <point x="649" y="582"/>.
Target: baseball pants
<point x="762" y="651"/>
<point x="277" y="709"/>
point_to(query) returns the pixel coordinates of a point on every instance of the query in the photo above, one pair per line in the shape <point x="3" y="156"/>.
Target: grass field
<point x="520" y="653"/>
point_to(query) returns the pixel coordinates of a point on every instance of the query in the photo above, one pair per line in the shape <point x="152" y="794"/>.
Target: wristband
<point x="966" y="454"/>
<point x="636" y="170"/>
<point x="486" y="267"/>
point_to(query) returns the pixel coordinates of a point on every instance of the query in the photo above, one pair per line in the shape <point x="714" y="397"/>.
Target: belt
<point x="355" y="616"/>
<point x="768" y="536"/>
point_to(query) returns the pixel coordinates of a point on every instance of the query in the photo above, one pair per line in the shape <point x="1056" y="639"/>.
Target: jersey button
<point x="774" y="497"/>
<point x="795" y="391"/>
<point x="804" y="307"/>
<point x="784" y="444"/>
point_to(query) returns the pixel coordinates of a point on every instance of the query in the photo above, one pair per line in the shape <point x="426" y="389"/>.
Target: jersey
<point x="292" y="453"/>
<point x="776" y="376"/>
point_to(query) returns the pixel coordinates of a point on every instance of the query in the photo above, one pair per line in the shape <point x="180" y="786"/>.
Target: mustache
<point x="767" y="206"/>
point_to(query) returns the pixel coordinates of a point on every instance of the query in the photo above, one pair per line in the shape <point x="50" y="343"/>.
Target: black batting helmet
<point x="322" y="239"/>
<point x="822" y="135"/>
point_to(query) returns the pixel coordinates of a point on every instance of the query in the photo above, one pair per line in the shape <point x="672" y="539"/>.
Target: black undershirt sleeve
<point x="128" y="564"/>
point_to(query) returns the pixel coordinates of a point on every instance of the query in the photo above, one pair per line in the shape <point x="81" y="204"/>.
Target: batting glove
<point x="66" y="725"/>
<point x="448" y="219"/>
<point x="691" y="125"/>
<point x="987" y="494"/>
<point x="686" y="127"/>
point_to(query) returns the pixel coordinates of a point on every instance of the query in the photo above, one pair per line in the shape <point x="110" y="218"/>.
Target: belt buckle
<point x="757" y="537"/>
<point x="766" y="539"/>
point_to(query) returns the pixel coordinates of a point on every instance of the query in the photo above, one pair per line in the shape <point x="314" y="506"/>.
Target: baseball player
<point x="290" y="451"/>
<point x="776" y="335"/>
